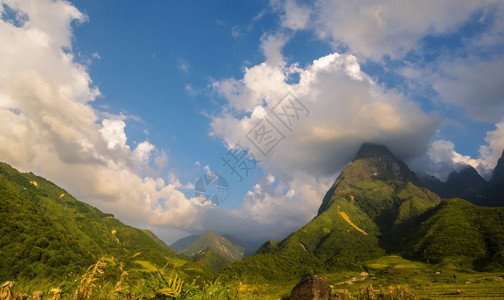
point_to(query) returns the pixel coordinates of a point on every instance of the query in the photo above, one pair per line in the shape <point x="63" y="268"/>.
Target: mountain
<point x="457" y="228"/>
<point x="495" y="190"/>
<point x="465" y="183"/>
<point x="469" y="185"/>
<point x="181" y="244"/>
<point x="374" y="196"/>
<point x="212" y="240"/>
<point x="498" y="172"/>
<point x="378" y="206"/>
<point x="211" y="250"/>
<point x="211" y="259"/>
<point x="46" y="233"/>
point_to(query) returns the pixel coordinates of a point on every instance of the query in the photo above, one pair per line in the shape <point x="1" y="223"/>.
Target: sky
<point x="143" y="108"/>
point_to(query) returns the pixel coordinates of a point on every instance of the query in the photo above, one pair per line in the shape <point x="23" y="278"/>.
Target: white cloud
<point x="441" y="158"/>
<point x="268" y="213"/>
<point x="272" y="45"/>
<point x="346" y="107"/>
<point x="471" y="83"/>
<point x="378" y="28"/>
<point x="469" y="77"/>
<point x="51" y="128"/>
<point x="113" y="133"/>
<point x="143" y="152"/>
<point x="294" y="15"/>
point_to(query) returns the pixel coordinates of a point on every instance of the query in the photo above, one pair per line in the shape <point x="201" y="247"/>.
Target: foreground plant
<point x="90" y="280"/>
<point x="366" y="292"/>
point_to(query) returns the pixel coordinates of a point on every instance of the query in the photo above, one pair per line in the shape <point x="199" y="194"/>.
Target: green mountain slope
<point x="211" y="259"/>
<point x="376" y="206"/>
<point x="212" y="240"/>
<point x="374" y="196"/>
<point x="47" y="233"/>
<point x="457" y="228"/>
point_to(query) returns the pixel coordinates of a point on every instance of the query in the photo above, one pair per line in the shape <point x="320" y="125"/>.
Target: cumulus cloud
<point x="269" y="212"/>
<point x="50" y="127"/>
<point x="346" y="108"/>
<point x="467" y="76"/>
<point x="441" y="159"/>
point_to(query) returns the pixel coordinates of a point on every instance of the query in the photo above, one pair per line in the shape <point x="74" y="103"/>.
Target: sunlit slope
<point x="374" y="196"/>
<point x="45" y="232"/>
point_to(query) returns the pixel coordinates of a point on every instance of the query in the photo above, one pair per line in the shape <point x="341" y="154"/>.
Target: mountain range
<point x="466" y="183"/>
<point x="378" y="206"/>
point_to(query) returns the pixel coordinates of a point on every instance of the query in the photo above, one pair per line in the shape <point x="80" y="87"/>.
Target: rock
<point x="313" y="288"/>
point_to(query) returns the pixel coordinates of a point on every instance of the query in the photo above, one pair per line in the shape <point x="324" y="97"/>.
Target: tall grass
<point x="107" y="279"/>
<point x="366" y="292"/>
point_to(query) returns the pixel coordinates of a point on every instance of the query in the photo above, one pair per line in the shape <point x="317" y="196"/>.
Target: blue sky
<point x="129" y="103"/>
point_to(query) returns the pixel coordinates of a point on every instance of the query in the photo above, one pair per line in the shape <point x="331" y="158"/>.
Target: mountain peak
<point x="466" y="176"/>
<point x="387" y="165"/>
<point x="372" y="162"/>
<point x="211" y="239"/>
<point x="209" y="233"/>
<point x="498" y="172"/>
<point x="369" y="150"/>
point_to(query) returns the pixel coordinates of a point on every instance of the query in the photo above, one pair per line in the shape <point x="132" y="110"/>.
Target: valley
<point x="377" y="228"/>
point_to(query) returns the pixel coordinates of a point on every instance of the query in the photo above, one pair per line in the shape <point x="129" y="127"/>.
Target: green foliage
<point x="46" y="233"/>
<point x="458" y="228"/>
<point x="365" y="203"/>
<point x="223" y="246"/>
<point x="211" y="259"/>
<point x="261" y="268"/>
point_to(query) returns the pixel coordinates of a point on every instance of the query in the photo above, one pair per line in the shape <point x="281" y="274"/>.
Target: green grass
<point x="146" y="266"/>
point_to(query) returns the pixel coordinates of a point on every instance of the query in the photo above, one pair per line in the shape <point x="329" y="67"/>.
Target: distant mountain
<point x="212" y="240"/>
<point x="376" y="206"/>
<point x="469" y="185"/>
<point x="498" y="173"/>
<point x="495" y="190"/>
<point x="466" y="184"/>
<point x="211" y="259"/>
<point x="46" y="233"/>
<point x="250" y="247"/>
<point x="182" y="243"/>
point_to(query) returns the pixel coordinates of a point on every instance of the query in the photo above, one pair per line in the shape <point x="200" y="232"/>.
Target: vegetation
<point x="49" y="236"/>
<point x="457" y="228"/>
<point x="211" y="259"/>
<point x="223" y="246"/>
<point x="373" y="208"/>
<point x="389" y="277"/>
<point x="378" y="235"/>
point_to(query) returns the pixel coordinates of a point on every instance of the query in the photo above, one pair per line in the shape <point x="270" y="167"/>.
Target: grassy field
<point x="446" y="280"/>
<point x="427" y="281"/>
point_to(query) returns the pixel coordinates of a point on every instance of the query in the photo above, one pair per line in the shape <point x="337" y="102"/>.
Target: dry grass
<point x="90" y="280"/>
<point x="366" y="292"/>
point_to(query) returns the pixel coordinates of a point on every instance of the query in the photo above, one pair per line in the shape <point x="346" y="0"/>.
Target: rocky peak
<point x="498" y="172"/>
<point x="388" y="166"/>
